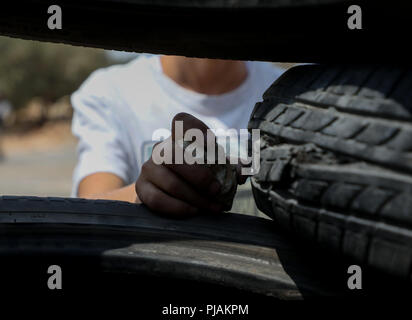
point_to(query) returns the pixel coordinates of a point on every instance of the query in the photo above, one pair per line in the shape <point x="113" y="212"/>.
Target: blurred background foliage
<point x="47" y="71"/>
<point x="37" y="78"/>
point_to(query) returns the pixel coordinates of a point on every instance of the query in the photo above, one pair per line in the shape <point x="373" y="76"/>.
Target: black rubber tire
<point x="336" y="160"/>
<point x="98" y="237"/>
<point x="280" y="31"/>
<point x="229" y="251"/>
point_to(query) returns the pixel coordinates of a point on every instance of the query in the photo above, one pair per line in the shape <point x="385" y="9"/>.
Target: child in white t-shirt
<point x="121" y="111"/>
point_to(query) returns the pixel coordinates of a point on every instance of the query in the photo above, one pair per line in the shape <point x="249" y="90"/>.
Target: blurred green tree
<point x="46" y="71"/>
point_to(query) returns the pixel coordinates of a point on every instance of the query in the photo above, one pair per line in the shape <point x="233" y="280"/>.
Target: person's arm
<point x="103" y="164"/>
<point x="173" y="190"/>
<point x="104" y="185"/>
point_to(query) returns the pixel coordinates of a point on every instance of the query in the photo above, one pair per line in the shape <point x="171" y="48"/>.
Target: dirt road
<point x="39" y="163"/>
<point x="41" y="173"/>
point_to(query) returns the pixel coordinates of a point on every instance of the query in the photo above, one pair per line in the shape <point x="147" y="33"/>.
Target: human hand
<point x="178" y="190"/>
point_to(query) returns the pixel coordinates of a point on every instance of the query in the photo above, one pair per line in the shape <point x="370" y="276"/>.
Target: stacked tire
<point x="336" y="160"/>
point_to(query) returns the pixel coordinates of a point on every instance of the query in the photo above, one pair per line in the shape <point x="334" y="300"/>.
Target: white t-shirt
<point x="117" y="110"/>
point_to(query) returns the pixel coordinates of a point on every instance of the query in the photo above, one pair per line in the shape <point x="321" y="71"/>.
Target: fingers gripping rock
<point x="225" y="173"/>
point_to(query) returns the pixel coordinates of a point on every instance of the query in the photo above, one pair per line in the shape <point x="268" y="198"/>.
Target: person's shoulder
<point x="268" y="70"/>
<point x="109" y="78"/>
<point x="264" y="74"/>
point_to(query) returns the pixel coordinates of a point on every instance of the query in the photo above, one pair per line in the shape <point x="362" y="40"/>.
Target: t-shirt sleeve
<point x="101" y="145"/>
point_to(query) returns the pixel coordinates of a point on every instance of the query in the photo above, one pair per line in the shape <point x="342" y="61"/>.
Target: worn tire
<point x="110" y="248"/>
<point x="280" y="31"/>
<point x="233" y="255"/>
<point x="336" y="160"/>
